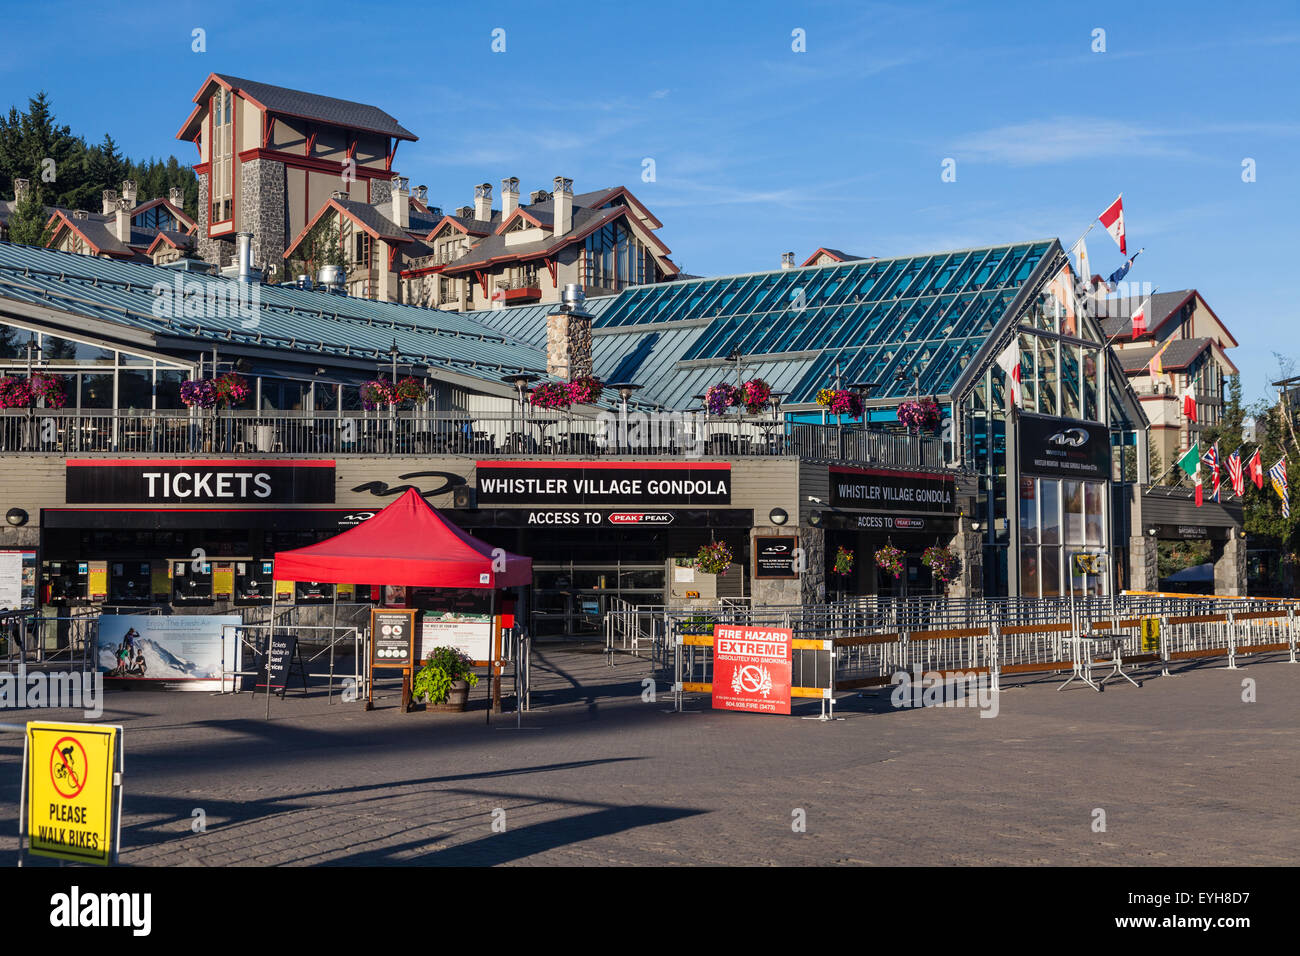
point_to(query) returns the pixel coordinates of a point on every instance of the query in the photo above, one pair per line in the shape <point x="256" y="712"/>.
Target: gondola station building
<point x="114" y="475"/>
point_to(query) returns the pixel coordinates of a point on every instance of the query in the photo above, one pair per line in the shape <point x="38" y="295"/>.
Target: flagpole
<point x="1144" y="302"/>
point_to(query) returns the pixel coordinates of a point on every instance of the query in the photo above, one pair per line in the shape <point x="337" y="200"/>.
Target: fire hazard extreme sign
<point x="70" y="774"/>
<point x="751" y="669"/>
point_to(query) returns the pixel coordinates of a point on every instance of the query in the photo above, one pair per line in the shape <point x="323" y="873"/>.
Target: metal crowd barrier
<point x="827" y="662"/>
<point x="37" y="640"/>
<point x="249" y="642"/>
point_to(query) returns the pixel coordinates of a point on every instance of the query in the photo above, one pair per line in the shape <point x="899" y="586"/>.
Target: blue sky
<point x="759" y="149"/>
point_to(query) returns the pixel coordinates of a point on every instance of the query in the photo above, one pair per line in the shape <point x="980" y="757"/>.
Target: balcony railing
<point x="406" y="432"/>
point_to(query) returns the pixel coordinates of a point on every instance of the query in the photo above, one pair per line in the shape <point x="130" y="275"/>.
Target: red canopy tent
<point x="407" y="543"/>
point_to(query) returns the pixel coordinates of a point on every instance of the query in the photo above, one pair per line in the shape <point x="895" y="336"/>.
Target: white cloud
<point x="1067" y="138"/>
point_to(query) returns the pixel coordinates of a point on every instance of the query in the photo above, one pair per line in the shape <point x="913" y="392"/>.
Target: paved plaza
<point x="1185" y="771"/>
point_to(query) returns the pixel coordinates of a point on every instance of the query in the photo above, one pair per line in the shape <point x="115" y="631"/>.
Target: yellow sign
<point x="1151" y="635"/>
<point x="284" y="590"/>
<point x="70" y="770"/>
<point x="347" y="592"/>
<point x="223" y="580"/>
<point x="97" y="581"/>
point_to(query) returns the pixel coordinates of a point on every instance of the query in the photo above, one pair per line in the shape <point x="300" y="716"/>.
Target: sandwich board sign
<point x="72" y="773"/>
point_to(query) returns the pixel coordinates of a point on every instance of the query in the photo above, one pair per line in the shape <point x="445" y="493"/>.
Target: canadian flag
<point x="1113" y="220"/>
<point x="1189" y="403"/>
<point x="1140" y="321"/>
<point x="1009" y="362"/>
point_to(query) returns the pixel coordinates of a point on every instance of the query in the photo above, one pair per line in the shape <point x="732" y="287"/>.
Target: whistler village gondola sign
<point x="872" y="490"/>
<point x="599" y="483"/>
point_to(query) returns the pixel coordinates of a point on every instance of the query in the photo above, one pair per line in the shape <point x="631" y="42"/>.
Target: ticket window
<point x="253" y="582"/>
<point x="65" y="583"/>
<point x="312" y="592"/>
<point x="191" y="585"/>
<point x="130" y="582"/>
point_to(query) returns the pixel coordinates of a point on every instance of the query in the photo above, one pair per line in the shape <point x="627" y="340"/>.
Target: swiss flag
<point x="1256" y="470"/>
<point x="1113" y="220"/>
<point x="1189" y="404"/>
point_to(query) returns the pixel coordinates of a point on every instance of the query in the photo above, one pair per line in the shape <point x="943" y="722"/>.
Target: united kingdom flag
<point x="1212" y="459"/>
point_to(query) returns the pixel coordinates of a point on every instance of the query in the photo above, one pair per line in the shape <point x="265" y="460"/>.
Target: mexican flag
<point x="1191" y="464"/>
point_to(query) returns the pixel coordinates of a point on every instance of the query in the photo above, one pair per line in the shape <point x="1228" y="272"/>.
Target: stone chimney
<point x="483" y="202"/>
<point x="176" y="197"/>
<point x="129" y="192"/>
<point x="538" y="195"/>
<point x="563" y="196"/>
<point x="568" y="336"/>
<point x="80" y="214"/>
<point x="464" y="212"/>
<point x="110" y="201"/>
<point x="21" y="188"/>
<point x="422" y="195"/>
<point x="509" y="196"/>
<point x="401" y="199"/>
<point x="787" y="260"/>
<point x="122" y="220"/>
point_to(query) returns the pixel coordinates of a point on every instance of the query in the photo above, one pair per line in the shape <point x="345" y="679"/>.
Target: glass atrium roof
<point x="902" y="323"/>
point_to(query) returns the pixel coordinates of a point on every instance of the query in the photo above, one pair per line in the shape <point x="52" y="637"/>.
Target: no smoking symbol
<point x="68" y="767"/>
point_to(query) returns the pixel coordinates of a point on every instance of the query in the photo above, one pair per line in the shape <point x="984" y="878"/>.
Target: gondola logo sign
<point x="752" y="669"/>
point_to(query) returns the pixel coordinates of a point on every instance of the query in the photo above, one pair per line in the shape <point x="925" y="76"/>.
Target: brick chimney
<point x="176" y="196"/>
<point x="563" y="196"/>
<point x="122" y="220"/>
<point x="401" y="199"/>
<point x="509" y="196"/>
<point x="21" y="188"/>
<point x="129" y="192"/>
<point x="568" y="336"/>
<point x="483" y="202"/>
<point x="110" y="202"/>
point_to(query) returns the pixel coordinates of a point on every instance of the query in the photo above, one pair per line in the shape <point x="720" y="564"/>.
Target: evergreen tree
<point x="27" y="225"/>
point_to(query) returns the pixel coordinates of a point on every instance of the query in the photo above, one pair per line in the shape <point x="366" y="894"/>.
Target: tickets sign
<point x="751" y="669"/>
<point x="70" y="781"/>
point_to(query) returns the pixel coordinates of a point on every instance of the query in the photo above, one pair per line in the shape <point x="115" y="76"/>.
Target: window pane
<point x="169" y="388"/>
<point x="1070" y="386"/>
<point x="1050" y="492"/>
<point x="1094" y="520"/>
<point x="1091" y="373"/>
<point x="134" y="389"/>
<point x="1029" y="572"/>
<point x="1049" y="571"/>
<point x="1028" y="372"/>
<point x="97" y="390"/>
<point x="1047" y="377"/>
<point x="1073" y="512"/>
<point x="1028" y="512"/>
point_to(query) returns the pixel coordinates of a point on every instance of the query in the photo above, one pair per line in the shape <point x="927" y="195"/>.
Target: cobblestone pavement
<point x="1186" y="772"/>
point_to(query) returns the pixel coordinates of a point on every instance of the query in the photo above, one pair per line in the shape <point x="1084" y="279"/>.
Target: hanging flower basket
<point x="755" y="395"/>
<point x="890" y="559"/>
<point x="550" y="395"/>
<point x="231" y="390"/>
<point x="713" y="558"/>
<point x="375" y="393"/>
<point x="15" y="392"/>
<point x="843" y="561"/>
<point x="942" y="562"/>
<point x="840" y="401"/>
<point x="409" y="391"/>
<point x="922" y="415"/>
<point x="48" y="387"/>
<point x="585" y="390"/>
<point x="718" y="398"/>
<point x="200" y="393"/>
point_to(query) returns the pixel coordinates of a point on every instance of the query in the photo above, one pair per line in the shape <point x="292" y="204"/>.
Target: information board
<point x="392" y="637"/>
<point x="774" y="556"/>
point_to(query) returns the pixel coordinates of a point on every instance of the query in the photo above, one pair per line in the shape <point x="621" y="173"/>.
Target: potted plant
<point x="840" y="401"/>
<point x="755" y="395"/>
<point x="199" y="393"/>
<point x="921" y="415"/>
<point x="585" y="390"/>
<point x="231" y="389"/>
<point x="409" y="391"/>
<point x="377" y="392"/>
<point x="943" y="564"/>
<point x="444" y="679"/>
<point x="713" y="558"/>
<point x="843" y="561"/>
<point x="48" y="387"/>
<point x="550" y="395"/>
<point x="890" y="559"/>
<point x="718" y="398"/>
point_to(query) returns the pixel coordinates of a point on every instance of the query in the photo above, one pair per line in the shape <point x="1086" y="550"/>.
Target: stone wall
<point x="1144" y="563"/>
<point x="969" y="547"/>
<point x="263" y="212"/>
<point x="381" y="190"/>
<point x="1230" y="566"/>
